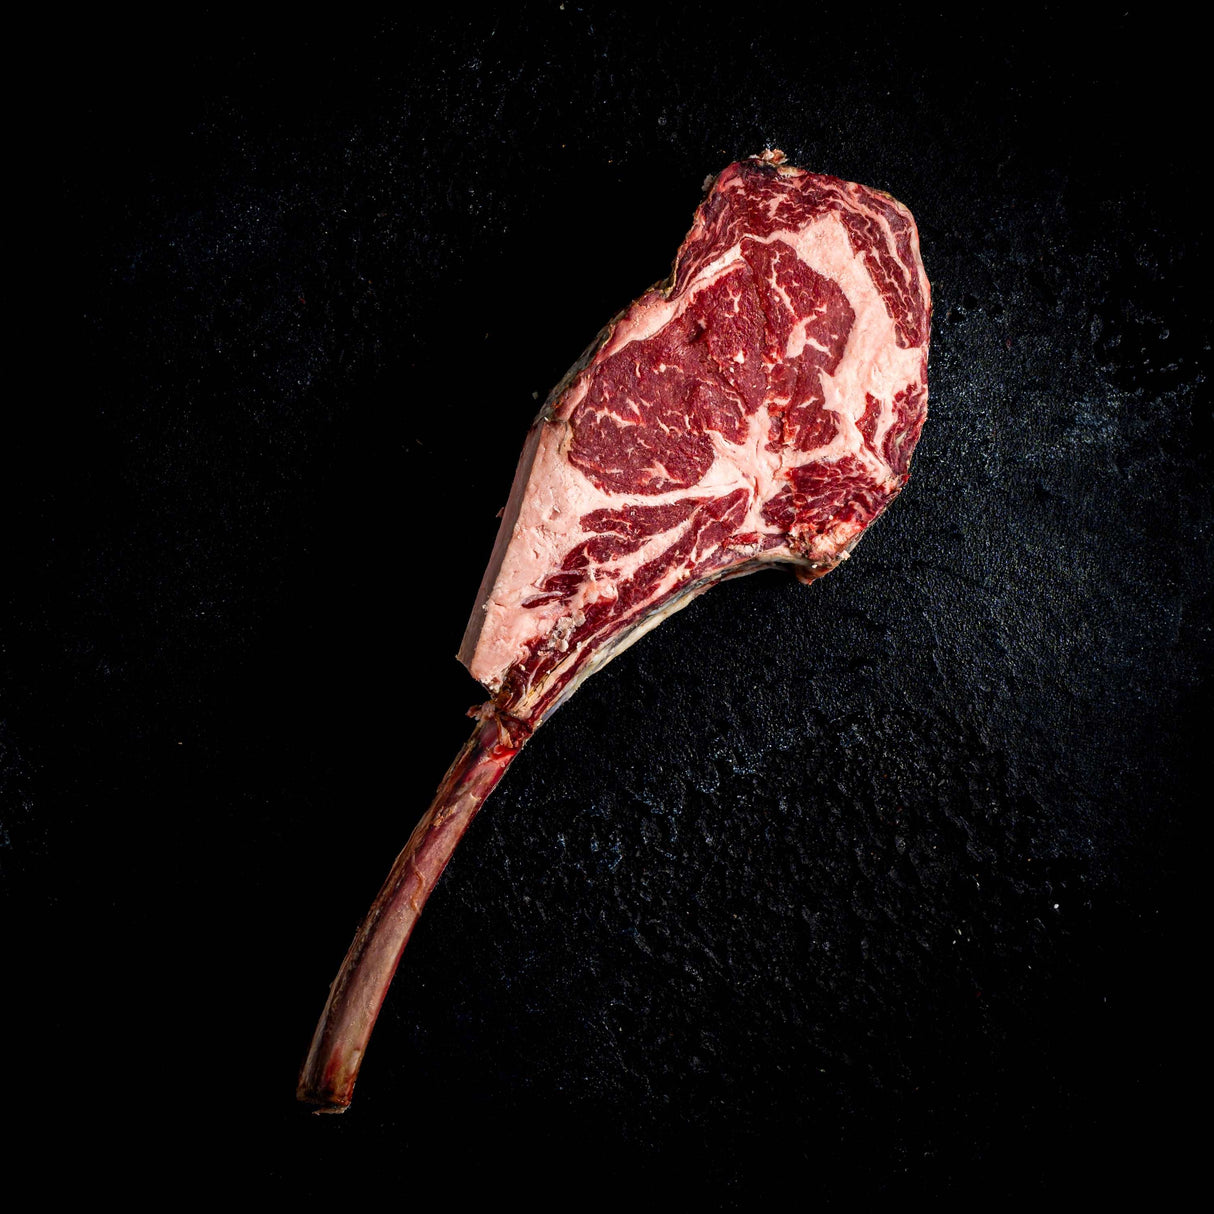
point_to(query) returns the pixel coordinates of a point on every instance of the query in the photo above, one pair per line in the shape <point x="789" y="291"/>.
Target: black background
<point x="877" y="887"/>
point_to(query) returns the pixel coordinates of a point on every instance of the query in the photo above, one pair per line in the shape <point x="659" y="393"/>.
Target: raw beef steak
<point x="761" y="406"/>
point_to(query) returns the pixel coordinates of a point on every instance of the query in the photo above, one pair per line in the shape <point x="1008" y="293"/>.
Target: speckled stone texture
<point x="882" y="886"/>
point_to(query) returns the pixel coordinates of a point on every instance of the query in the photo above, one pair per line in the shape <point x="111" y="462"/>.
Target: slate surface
<point x="878" y="887"/>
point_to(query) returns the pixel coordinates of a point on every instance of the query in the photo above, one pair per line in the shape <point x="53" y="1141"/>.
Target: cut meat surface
<point x="761" y="406"/>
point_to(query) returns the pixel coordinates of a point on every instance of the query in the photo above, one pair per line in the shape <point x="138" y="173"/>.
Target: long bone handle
<point x="340" y="1041"/>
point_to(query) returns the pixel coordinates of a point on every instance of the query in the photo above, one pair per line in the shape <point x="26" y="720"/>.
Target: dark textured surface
<point x="878" y="886"/>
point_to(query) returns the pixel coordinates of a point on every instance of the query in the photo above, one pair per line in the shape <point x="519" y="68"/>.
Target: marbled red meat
<point x="759" y="407"/>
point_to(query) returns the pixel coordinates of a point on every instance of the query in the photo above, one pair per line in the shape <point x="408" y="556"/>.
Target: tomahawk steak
<point x="760" y="406"/>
